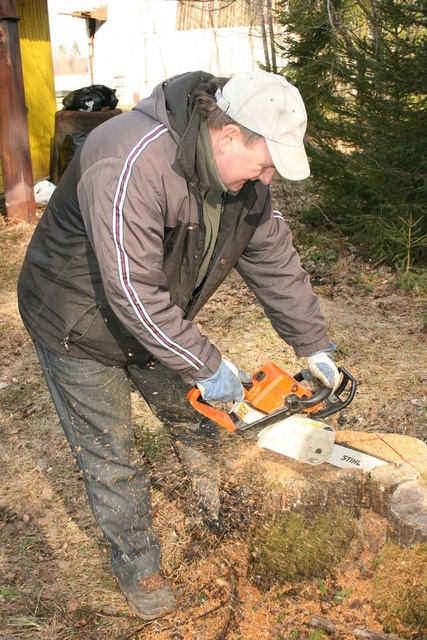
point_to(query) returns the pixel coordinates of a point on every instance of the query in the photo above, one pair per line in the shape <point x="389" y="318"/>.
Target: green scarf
<point x="212" y="189"/>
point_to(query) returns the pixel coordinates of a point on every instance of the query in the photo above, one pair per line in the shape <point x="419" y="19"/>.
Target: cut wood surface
<point x="393" y="447"/>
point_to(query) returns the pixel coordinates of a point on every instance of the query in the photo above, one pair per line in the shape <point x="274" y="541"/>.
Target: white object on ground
<point x="43" y="191"/>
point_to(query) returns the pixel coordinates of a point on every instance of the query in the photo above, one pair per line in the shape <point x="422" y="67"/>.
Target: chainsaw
<point x="284" y="414"/>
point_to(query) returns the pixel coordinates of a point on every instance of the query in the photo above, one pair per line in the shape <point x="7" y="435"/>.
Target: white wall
<point x="139" y="47"/>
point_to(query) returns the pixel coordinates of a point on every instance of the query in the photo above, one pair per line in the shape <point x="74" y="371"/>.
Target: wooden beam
<point x="14" y="138"/>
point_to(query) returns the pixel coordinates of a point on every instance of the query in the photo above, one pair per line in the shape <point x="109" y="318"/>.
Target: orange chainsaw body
<point x="270" y="388"/>
<point x="268" y="392"/>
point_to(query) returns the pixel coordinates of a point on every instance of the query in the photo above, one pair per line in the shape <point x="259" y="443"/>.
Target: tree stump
<point x="303" y="511"/>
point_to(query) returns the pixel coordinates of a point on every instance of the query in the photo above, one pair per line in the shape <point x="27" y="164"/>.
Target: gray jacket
<point x="111" y="269"/>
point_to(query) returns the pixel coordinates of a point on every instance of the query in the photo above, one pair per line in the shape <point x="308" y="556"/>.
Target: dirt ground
<point x="55" y="582"/>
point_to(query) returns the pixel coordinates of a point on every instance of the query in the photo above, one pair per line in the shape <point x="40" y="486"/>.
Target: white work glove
<point x="225" y="384"/>
<point x="321" y="365"/>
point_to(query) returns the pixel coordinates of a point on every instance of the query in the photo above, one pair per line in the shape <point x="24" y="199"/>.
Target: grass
<point x="294" y="547"/>
<point x="400" y="589"/>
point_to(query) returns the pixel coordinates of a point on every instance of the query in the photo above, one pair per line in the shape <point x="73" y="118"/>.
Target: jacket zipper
<point x="217" y="251"/>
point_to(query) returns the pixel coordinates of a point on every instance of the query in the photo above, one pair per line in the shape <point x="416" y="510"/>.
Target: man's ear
<point x="228" y="135"/>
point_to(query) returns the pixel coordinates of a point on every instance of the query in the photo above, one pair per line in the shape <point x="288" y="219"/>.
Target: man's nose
<point x="267" y="176"/>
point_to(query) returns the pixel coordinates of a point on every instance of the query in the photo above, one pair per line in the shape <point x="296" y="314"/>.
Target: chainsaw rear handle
<point x="222" y="418"/>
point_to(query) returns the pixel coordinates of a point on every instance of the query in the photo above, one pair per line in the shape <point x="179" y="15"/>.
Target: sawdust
<point x="55" y="583"/>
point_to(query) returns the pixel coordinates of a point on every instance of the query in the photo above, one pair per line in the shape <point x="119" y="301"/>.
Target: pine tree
<point x="362" y="70"/>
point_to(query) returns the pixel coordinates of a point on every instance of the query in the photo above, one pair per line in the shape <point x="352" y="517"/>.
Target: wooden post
<point x="14" y="139"/>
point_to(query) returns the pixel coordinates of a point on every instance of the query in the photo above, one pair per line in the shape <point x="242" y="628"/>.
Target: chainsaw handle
<point x="295" y="403"/>
<point x="348" y="384"/>
<point x="220" y="417"/>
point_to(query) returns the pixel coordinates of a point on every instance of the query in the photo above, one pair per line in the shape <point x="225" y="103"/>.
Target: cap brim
<point x="290" y="162"/>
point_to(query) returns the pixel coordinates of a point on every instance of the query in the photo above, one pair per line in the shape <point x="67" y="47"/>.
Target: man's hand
<point x="225" y="384"/>
<point x="321" y="365"/>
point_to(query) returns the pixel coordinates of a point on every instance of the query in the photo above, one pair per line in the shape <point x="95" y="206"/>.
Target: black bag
<point x="97" y="97"/>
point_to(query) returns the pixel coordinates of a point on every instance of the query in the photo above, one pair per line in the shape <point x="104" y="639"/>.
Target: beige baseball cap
<point x="269" y="105"/>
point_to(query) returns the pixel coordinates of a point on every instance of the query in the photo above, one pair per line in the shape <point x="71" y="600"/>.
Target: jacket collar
<point x="184" y="118"/>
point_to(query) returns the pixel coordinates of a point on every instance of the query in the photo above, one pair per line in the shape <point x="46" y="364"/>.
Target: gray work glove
<point x="225" y="384"/>
<point x="321" y="365"/>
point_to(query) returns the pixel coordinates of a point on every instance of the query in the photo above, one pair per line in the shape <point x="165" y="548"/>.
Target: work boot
<point x="149" y="598"/>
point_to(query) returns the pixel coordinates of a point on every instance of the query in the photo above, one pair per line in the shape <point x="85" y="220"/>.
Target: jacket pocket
<point x="100" y="335"/>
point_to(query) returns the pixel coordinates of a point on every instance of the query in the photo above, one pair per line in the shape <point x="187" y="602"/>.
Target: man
<point x="157" y="207"/>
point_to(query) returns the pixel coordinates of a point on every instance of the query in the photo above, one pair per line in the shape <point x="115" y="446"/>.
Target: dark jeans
<point x="93" y="402"/>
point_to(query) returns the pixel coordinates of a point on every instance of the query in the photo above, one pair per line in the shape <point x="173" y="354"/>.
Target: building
<point x="132" y="46"/>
